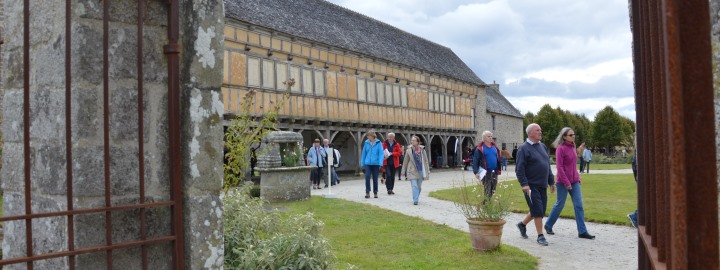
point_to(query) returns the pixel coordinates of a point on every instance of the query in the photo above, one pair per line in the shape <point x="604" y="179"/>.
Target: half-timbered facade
<point x="351" y="73"/>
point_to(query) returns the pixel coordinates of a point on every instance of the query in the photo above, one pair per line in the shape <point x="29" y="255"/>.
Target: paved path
<point x="614" y="248"/>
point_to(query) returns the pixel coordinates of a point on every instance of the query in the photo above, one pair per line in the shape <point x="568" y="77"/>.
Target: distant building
<point x="504" y="120"/>
<point x="353" y="73"/>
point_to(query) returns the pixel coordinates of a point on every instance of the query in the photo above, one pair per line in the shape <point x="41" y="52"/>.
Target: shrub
<point x="603" y="159"/>
<point x="256" y="238"/>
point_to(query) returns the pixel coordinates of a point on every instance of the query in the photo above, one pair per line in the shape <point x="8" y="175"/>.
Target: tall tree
<point x="608" y="128"/>
<point x="550" y="121"/>
<point x="527" y="120"/>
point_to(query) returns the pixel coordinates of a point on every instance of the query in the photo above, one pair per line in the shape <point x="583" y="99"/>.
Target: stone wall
<point x="201" y="130"/>
<point x="508" y="130"/>
<point x="481" y="115"/>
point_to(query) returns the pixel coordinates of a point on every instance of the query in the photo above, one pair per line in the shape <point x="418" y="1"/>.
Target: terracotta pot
<point x="485" y="235"/>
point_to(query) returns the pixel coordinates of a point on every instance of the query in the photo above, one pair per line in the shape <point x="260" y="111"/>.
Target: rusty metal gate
<point x="171" y="51"/>
<point x="677" y="189"/>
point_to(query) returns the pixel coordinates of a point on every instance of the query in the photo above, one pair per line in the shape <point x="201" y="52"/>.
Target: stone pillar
<point x="201" y="70"/>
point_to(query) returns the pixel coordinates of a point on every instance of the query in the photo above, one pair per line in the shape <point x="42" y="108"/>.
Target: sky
<point x="567" y="53"/>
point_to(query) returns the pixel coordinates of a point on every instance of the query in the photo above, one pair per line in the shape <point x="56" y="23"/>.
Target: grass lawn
<point x="370" y="237"/>
<point x="594" y="166"/>
<point x="607" y="198"/>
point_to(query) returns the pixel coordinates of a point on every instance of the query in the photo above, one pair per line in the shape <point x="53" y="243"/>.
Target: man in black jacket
<point x="534" y="174"/>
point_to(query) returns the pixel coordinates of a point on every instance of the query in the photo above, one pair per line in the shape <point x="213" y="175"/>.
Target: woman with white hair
<point x="568" y="182"/>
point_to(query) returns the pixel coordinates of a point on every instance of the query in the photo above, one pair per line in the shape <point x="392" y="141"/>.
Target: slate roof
<point x="336" y="26"/>
<point x="497" y="103"/>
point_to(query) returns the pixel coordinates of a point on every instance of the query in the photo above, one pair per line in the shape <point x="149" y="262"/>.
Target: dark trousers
<point x="490" y="183"/>
<point x="371" y="171"/>
<point x="390" y="177"/>
<point x="582" y="164"/>
<point x="316" y="175"/>
<point x="587" y="166"/>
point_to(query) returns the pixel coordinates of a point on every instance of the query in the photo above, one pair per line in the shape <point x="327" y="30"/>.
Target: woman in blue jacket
<point x="372" y="159"/>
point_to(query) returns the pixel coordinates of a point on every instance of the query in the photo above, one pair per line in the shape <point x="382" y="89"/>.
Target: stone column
<point x="201" y="69"/>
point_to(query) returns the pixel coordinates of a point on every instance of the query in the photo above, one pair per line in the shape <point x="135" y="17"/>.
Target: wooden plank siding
<point x="326" y="85"/>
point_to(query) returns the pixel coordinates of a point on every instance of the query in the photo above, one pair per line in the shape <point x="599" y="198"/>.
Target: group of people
<point x="415" y="165"/>
<point x="533" y="170"/>
<point x="317" y="157"/>
<point x="535" y="176"/>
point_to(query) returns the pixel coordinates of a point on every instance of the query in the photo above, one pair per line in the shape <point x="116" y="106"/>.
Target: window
<point x="268" y="74"/>
<point x="452" y="105"/>
<point x="396" y="95"/>
<point x="361" y="90"/>
<point x="431" y="101"/>
<point x="437" y="102"/>
<point x="253" y="71"/>
<point x="319" y="83"/>
<point x="281" y="72"/>
<point x="295" y="74"/>
<point x="493" y="122"/>
<point x="380" y="87"/>
<point x="403" y="97"/>
<point x="472" y="117"/>
<point x="371" y="91"/>
<point x="307" y="81"/>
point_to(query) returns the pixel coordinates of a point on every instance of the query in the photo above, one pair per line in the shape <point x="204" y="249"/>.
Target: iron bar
<point x="141" y="141"/>
<point x="106" y="129"/>
<point x="26" y="130"/>
<point x="172" y="50"/>
<point x="87" y="211"/>
<point x="79" y="251"/>
<point x="68" y="130"/>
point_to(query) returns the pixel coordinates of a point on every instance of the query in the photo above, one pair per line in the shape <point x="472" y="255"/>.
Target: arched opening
<point x="346" y="144"/>
<point x="436" y="154"/>
<point x="454" y="151"/>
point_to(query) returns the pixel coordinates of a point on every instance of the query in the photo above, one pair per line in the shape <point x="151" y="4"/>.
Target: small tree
<point x="245" y="134"/>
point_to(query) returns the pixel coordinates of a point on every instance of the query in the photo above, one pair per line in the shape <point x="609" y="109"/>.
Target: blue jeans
<point x="375" y="171"/>
<point x="416" y="188"/>
<point x="576" y="195"/>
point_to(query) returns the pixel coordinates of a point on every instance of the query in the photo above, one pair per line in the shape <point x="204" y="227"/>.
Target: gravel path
<point x="615" y="247"/>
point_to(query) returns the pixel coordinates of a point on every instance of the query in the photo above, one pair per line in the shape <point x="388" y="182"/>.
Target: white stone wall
<point x="481" y="123"/>
<point x="508" y="130"/>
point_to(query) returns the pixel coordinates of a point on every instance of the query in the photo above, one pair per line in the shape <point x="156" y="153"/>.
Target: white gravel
<point x="615" y="247"/>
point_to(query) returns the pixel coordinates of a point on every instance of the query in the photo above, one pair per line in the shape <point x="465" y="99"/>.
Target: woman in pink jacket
<point x="567" y="182"/>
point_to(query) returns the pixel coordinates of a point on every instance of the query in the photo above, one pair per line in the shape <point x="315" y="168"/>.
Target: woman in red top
<point x="567" y="182"/>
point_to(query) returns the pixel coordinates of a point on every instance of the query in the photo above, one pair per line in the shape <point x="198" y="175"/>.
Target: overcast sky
<point x="568" y="53"/>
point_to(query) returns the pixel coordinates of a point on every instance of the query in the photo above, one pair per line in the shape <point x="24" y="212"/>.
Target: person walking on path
<point x="392" y="162"/>
<point x="505" y="154"/>
<point x="634" y="215"/>
<point x="316" y="158"/>
<point x="416" y="167"/>
<point x="402" y="159"/>
<point x="534" y="174"/>
<point x="371" y="159"/>
<point x="568" y="182"/>
<point x="487" y="156"/>
<point x="587" y="157"/>
<point x="580" y="151"/>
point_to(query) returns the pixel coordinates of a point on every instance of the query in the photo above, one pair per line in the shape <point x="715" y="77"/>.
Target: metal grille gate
<point x="171" y="51"/>
<point x="677" y="189"/>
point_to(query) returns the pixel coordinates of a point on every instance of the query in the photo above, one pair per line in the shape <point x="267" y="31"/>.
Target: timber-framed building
<point x="352" y="73"/>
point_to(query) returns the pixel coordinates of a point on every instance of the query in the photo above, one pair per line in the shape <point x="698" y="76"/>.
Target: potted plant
<point x="484" y="212"/>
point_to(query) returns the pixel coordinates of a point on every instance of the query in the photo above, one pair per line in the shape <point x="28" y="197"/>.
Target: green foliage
<point x="527" y="120"/>
<point x="603" y="159"/>
<point x="256" y="238"/>
<point x="476" y="205"/>
<point x="245" y="132"/>
<point x="608" y="128"/>
<point x="607" y="198"/>
<point x="291" y="157"/>
<point x="550" y="120"/>
<point x="369" y="237"/>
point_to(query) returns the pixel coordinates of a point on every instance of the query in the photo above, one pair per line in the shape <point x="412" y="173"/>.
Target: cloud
<point x="569" y="51"/>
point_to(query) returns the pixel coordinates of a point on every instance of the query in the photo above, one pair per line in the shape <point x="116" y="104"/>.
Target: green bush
<point x="256" y="238"/>
<point x="603" y="159"/>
